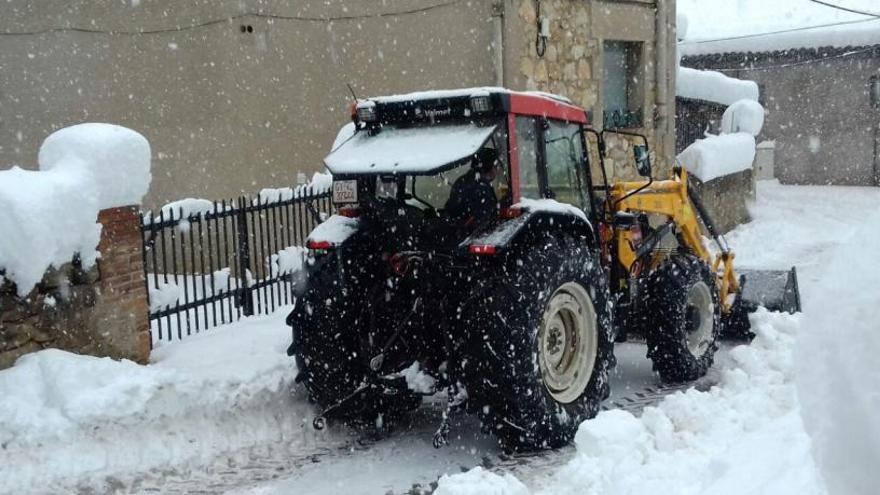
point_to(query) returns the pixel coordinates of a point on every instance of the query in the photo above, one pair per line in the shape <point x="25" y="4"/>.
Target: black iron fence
<point x="693" y="118"/>
<point x="210" y="263"/>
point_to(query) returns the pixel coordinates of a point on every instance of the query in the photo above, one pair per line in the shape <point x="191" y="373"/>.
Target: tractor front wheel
<point x="682" y="318"/>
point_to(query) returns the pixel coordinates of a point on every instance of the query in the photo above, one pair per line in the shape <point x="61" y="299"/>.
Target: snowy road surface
<point x="215" y="413"/>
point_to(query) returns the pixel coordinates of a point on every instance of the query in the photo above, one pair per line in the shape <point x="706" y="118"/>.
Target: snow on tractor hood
<point x="415" y="150"/>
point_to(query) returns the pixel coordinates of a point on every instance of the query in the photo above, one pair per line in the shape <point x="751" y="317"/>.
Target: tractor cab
<point x="406" y="153"/>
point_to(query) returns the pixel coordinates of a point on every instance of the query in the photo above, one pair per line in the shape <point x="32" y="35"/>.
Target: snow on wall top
<point x="714" y="86"/>
<point x="48" y="216"/>
<point x="413" y="150"/>
<point x="743" y="116"/>
<point x="45" y="218"/>
<point x="119" y="159"/>
<point x="717" y="156"/>
<point x="759" y="25"/>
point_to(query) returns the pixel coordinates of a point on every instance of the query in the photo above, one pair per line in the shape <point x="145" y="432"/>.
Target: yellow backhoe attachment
<point x="679" y="203"/>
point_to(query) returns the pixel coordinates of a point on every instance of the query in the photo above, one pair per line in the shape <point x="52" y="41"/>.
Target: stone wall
<point x="101" y="311"/>
<point x="572" y="66"/>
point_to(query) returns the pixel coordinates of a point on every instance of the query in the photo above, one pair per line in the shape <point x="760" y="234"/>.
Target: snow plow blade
<point x="776" y="290"/>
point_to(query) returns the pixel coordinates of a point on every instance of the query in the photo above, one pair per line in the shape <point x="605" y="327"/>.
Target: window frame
<point x="635" y="92"/>
<point x="547" y="193"/>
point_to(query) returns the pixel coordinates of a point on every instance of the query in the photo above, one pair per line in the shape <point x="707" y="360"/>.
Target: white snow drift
<point x="47" y="217"/>
<point x="838" y="377"/>
<point x="742" y="436"/>
<point x="85" y="418"/>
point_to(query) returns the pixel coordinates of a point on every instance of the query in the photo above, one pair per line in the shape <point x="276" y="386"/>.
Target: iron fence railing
<point x="693" y="118"/>
<point x="237" y="258"/>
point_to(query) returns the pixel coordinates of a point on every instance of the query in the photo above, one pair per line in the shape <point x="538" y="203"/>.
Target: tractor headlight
<point x="366" y="111"/>
<point x="481" y="103"/>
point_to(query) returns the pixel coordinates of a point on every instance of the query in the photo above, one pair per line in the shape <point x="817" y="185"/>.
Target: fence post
<point x="246" y="300"/>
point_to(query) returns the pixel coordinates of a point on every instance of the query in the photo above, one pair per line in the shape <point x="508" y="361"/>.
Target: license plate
<point x="345" y="191"/>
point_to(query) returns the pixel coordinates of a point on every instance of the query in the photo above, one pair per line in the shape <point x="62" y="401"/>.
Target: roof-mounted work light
<point x="480" y="103"/>
<point x="366" y="111"/>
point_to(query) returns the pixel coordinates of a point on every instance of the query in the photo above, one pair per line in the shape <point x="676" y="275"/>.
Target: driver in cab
<point x="472" y="201"/>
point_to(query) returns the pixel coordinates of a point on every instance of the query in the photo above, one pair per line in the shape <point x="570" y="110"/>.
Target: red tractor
<point x="513" y="303"/>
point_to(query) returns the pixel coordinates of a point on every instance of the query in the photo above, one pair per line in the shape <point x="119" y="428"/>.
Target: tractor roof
<point x="430" y="131"/>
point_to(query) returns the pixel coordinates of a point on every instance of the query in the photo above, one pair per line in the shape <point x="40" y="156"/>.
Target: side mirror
<point x="643" y="160"/>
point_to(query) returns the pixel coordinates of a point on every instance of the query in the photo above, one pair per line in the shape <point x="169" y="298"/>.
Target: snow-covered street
<point x="219" y="412"/>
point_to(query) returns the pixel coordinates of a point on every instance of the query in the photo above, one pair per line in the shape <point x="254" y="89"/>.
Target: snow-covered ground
<point x="219" y="412"/>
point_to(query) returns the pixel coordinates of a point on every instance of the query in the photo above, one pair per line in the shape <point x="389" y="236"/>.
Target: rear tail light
<point x="399" y="264"/>
<point x="349" y="212"/>
<point x="508" y="213"/>
<point x="318" y="245"/>
<point x="482" y="249"/>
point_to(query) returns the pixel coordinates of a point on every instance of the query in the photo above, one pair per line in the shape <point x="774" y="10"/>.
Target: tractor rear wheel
<point x="682" y="318"/>
<point x="327" y="323"/>
<point x="540" y="346"/>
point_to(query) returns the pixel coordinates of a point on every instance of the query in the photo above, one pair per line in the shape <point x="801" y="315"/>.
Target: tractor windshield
<point x="432" y="191"/>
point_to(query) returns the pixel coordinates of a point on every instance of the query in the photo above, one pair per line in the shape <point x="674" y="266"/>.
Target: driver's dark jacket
<point x="472" y="201"/>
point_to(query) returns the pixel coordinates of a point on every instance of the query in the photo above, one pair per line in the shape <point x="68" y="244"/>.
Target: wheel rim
<point x="568" y="342"/>
<point x="699" y="319"/>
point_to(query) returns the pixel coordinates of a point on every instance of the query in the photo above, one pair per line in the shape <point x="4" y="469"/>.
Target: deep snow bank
<point x="742" y="436"/>
<point x="838" y="375"/>
<point x="67" y="417"/>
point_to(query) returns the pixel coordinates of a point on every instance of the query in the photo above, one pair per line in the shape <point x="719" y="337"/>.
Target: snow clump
<point x="335" y="230"/>
<point x="46" y="218"/>
<point x="119" y="159"/>
<point x="478" y="481"/>
<point x="717" y="156"/>
<point x="743" y="116"/>
<point x="714" y="86"/>
<point x="49" y="216"/>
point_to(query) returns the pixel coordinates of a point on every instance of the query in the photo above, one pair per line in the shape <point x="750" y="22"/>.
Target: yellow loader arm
<point x="670" y="198"/>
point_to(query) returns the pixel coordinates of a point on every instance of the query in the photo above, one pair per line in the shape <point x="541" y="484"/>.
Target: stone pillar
<point x="102" y="311"/>
<point x="122" y="306"/>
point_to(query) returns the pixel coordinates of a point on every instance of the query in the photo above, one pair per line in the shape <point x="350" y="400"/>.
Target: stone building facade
<point x="236" y="95"/>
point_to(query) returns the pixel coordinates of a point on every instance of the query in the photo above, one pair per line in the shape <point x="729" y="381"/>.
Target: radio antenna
<point x="351" y="90"/>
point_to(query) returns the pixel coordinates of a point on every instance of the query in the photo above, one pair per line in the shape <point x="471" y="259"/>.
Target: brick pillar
<point x="122" y="315"/>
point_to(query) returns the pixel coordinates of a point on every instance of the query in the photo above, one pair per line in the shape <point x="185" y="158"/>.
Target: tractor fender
<point x="526" y="227"/>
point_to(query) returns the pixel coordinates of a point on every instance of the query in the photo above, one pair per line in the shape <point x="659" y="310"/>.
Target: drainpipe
<point x="498" y="41"/>
<point x="661" y="69"/>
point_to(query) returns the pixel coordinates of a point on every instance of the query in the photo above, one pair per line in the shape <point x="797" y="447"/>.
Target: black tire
<point x="326" y="324"/>
<point x="680" y="342"/>
<point x="501" y="369"/>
